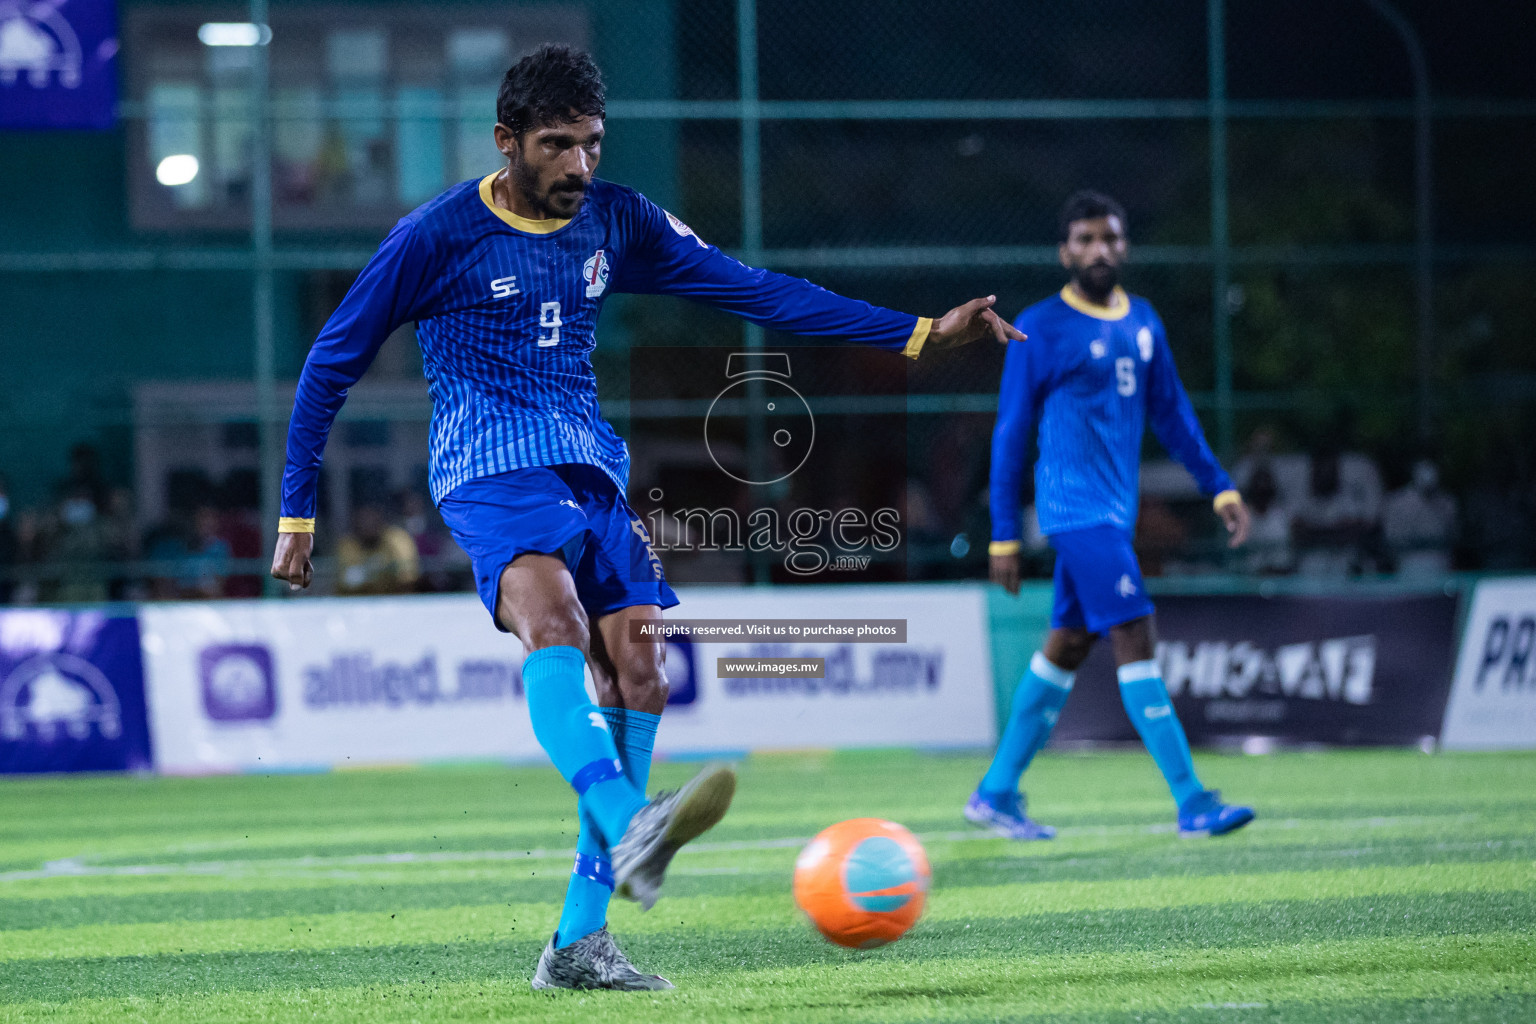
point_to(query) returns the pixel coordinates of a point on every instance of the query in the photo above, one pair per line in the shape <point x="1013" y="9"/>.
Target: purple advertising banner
<point x="58" y="66"/>
<point x="71" y="693"/>
<point x="1351" y="670"/>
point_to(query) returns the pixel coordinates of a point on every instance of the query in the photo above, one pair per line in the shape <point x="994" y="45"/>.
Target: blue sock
<point x="591" y="885"/>
<point x="1146" y="701"/>
<point x="576" y="737"/>
<point x="1037" y="701"/>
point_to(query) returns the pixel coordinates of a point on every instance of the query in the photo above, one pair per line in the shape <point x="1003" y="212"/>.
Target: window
<point x="375" y="108"/>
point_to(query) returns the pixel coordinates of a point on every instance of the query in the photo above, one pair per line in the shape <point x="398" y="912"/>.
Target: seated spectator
<point x="1335" y="522"/>
<point x="205" y="564"/>
<point x="77" y="543"/>
<point x="376" y="557"/>
<point x="1269" y="551"/>
<point x="1419" y="523"/>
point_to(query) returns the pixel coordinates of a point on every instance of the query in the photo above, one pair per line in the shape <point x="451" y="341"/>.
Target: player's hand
<point x="1236" y="519"/>
<point x="290" y="562"/>
<point x="1004" y="571"/>
<point x="970" y="322"/>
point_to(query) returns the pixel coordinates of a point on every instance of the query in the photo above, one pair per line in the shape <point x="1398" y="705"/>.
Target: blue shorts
<point x="573" y="511"/>
<point x="1098" y="582"/>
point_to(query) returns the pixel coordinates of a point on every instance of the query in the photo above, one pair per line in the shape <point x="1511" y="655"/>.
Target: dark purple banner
<point x="71" y="693"/>
<point x="58" y="66"/>
<point x="1357" y="670"/>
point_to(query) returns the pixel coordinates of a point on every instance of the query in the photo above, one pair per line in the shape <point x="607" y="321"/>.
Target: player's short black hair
<point x="548" y="84"/>
<point x="1086" y="205"/>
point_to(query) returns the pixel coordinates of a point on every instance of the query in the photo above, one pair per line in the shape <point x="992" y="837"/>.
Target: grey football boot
<point x="660" y="828"/>
<point x="595" y="961"/>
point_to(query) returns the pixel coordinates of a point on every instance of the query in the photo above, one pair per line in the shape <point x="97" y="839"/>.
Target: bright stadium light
<point x="177" y="169"/>
<point x="234" y="33"/>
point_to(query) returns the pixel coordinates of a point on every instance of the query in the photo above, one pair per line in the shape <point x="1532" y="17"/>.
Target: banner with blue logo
<point x="71" y="693"/>
<point x="58" y="64"/>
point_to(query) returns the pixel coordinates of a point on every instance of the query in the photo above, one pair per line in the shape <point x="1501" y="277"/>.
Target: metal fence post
<point x="1221" y="255"/>
<point x="752" y="235"/>
<point x="263" y="313"/>
<point x="1423" y="212"/>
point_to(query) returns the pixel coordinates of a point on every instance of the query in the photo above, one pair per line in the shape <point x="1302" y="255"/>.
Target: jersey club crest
<point x="595" y="273"/>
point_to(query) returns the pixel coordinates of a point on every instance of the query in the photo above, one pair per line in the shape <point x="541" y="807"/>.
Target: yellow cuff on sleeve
<point x="1226" y="499"/>
<point x="919" y="337"/>
<point x="291" y="524"/>
<point x="1003" y="547"/>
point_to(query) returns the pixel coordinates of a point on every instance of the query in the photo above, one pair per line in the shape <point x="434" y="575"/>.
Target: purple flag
<point x="58" y="65"/>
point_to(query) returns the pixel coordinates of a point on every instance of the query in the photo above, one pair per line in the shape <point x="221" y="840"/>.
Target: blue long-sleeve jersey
<point x="506" y="312"/>
<point x="1090" y="376"/>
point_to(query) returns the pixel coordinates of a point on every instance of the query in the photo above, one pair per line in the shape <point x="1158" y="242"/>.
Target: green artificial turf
<point x="1376" y="886"/>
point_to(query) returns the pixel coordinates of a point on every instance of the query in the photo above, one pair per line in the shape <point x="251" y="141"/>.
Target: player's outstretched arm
<point x="668" y="258"/>
<point x="971" y="322"/>
<point x="290" y="562"/>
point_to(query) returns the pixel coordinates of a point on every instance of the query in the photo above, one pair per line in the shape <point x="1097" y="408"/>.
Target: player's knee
<point x="1070" y="647"/>
<point x="556" y="624"/>
<point x="642" y="678"/>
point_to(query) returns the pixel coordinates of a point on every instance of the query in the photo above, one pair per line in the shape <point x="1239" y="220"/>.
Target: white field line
<point x="77" y="867"/>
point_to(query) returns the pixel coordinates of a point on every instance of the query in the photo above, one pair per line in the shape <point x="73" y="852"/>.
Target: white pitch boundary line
<point x="76" y="867"/>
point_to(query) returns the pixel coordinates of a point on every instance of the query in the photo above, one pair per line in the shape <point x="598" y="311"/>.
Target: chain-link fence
<point x="1328" y="202"/>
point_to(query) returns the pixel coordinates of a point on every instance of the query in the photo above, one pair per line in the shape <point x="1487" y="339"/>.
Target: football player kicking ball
<point x="1096" y="366"/>
<point x="505" y="277"/>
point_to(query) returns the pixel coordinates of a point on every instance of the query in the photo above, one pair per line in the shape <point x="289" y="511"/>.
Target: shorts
<point x="1098" y="581"/>
<point x="573" y="511"/>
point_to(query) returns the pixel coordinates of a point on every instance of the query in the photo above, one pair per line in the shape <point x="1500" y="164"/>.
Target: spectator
<point x="205" y="564"/>
<point x="1335" y="522"/>
<point x="166" y="546"/>
<point x="1269" y="535"/>
<point x="1419" y="523"/>
<point x="77" y="541"/>
<point x="376" y="557"/>
<point x="85" y="475"/>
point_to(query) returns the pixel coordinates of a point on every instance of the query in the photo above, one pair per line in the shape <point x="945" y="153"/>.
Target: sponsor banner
<point x="1493" y="697"/>
<point x="58" y="65"/>
<point x="71" y="693"/>
<point x="1355" y="670"/>
<point x="934" y="690"/>
<point x="282" y="685"/>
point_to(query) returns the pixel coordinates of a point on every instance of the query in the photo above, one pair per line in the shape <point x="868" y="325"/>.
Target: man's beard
<point x="556" y="203"/>
<point x="1098" y="280"/>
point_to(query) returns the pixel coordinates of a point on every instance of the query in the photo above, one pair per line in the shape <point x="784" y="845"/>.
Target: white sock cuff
<point x="1051" y="672"/>
<point x="1136" y="671"/>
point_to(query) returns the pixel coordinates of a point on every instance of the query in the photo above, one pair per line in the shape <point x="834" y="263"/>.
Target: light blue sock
<point x="591" y="885"/>
<point x="1037" y="702"/>
<point x="576" y="737"/>
<point x="1146" y="701"/>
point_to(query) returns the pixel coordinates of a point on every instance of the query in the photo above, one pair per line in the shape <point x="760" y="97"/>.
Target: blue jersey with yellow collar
<point x="1089" y="376"/>
<point x="506" y="311"/>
